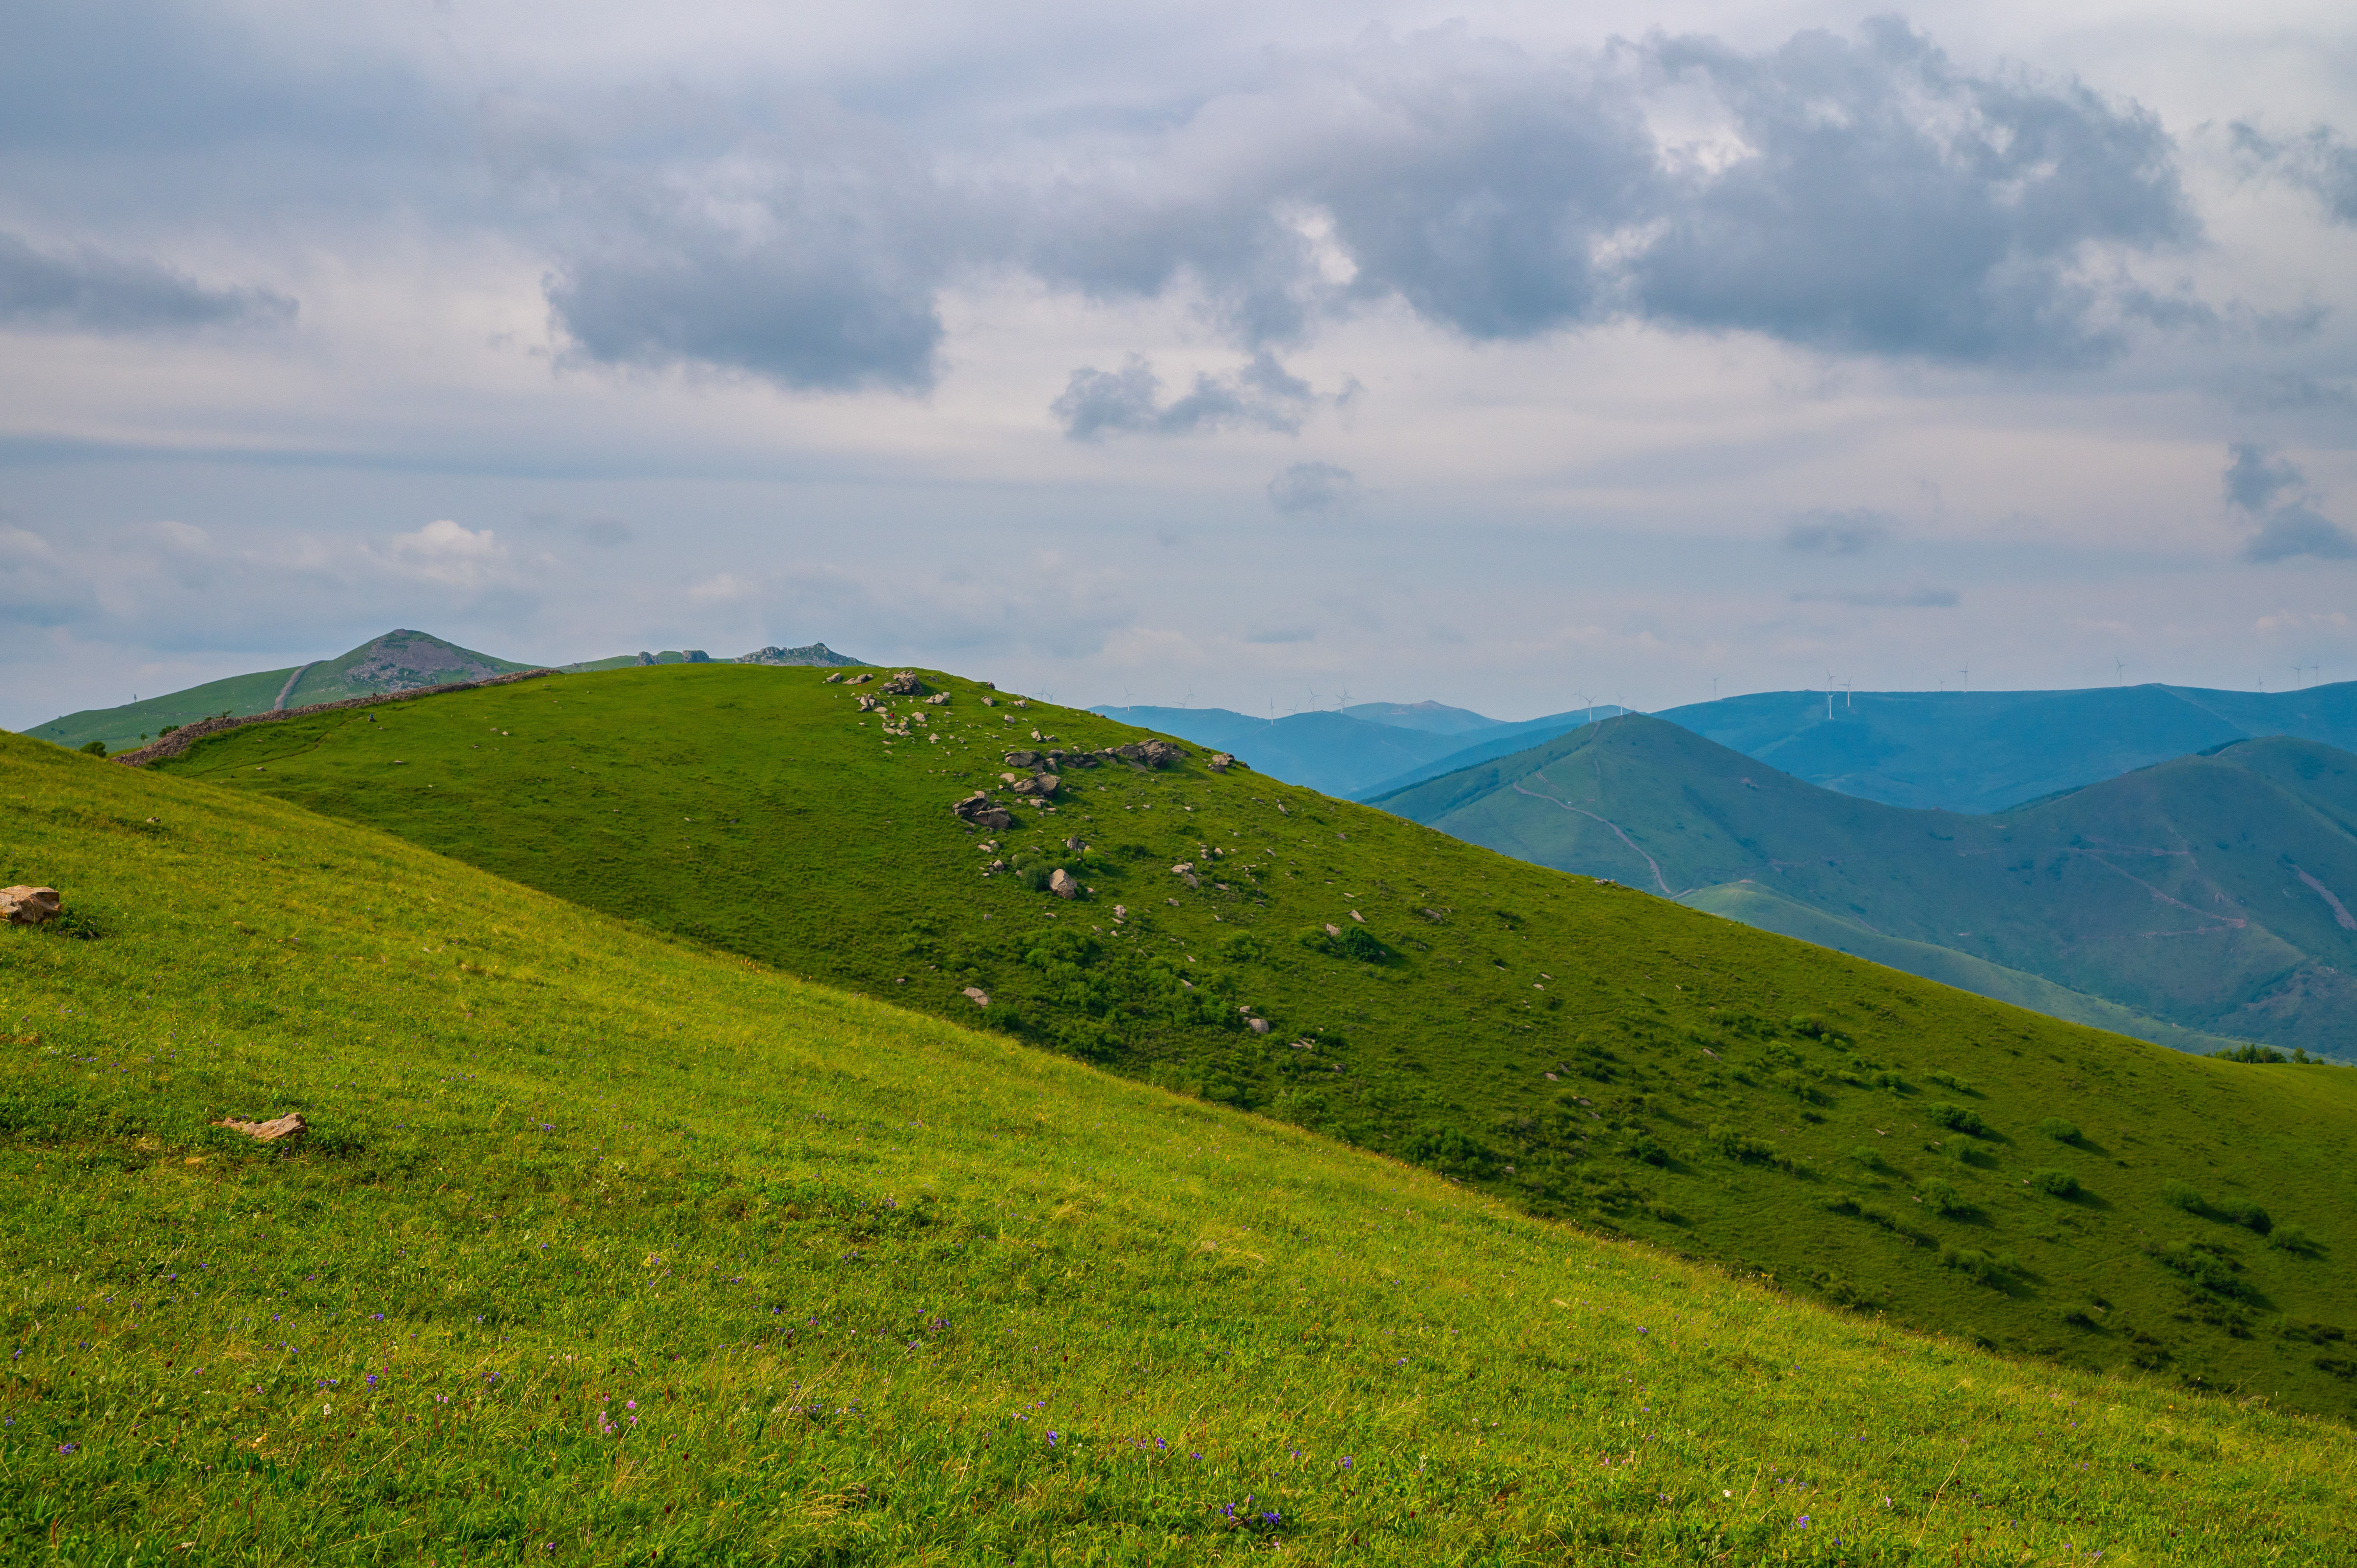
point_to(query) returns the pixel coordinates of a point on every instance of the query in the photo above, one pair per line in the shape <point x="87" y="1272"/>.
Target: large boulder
<point x="29" y="906"/>
<point x="904" y="684"/>
<point x="1061" y="885"/>
<point x="1022" y="759"/>
<point x="982" y="811"/>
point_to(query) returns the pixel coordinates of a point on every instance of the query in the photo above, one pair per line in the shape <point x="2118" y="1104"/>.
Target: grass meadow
<point x="606" y="1248"/>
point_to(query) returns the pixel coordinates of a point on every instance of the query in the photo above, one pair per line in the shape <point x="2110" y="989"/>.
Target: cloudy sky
<point x="1247" y="354"/>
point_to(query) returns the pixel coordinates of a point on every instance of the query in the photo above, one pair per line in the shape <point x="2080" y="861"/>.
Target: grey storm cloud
<point x="2272" y="494"/>
<point x="1313" y="488"/>
<point x="813" y="260"/>
<point x="1875" y="199"/>
<point x="1836" y="532"/>
<point x="2322" y="162"/>
<point x="1262" y="395"/>
<point x="87" y="290"/>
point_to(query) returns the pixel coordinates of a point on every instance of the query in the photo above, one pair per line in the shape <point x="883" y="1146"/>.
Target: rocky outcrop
<point x="1149" y="754"/>
<point x="979" y="810"/>
<point x="977" y="995"/>
<point x="181" y="739"/>
<point x="29" y="906"/>
<point x="904" y="684"/>
<point x="816" y="653"/>
<point x="1220" y="761"/>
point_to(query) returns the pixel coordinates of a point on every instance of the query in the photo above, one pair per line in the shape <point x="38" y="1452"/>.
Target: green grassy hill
<point x="397" y="662"/>
<point x="607" y="1248"/>
<point x="1987" y="751"/>
<point x="1579" y="1048"/>
<point x="2210" y="893"/>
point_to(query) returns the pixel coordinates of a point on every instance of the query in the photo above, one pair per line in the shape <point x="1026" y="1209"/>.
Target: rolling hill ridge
<point x="1990" y="751"/>
<point x="1577" y="1048"/>
<point x="2205" y="893"/>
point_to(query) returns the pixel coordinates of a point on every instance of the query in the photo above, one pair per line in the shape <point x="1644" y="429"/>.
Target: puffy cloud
<point x="2272" y="494"/>
<point x="2299" y="530"/>
<point x="37" y="587"/>
<point x="2256" y="476"/>
<point x="2324" y="163"/>
<point x="443" y="552"/>
<point x="1262" y="395"/>
<point x="87" y="290"/>
<point x="1313" y="487"/>
<point x="1826" y="532"/>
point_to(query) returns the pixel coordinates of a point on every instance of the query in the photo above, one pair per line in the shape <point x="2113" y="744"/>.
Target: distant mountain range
<point x="1354" y="752"/>
<point x="1984" y="751"/>
<point x="2207" y="896"/>
<point x="400" y="660"/>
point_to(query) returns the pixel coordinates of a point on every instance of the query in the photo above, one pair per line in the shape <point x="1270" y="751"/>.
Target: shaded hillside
<point x="399" y="660"/>
<point x="1984" y="751"/>
<point x="2211" y="893"/>
<point x="1577" y="1048"/>
<point x="604" y="1248"/>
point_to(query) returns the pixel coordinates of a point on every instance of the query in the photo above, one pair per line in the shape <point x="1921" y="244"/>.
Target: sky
<point x="1265" y="356"/>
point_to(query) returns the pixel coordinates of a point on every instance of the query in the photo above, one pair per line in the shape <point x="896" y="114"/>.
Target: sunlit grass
<point x="654" y="1255"/>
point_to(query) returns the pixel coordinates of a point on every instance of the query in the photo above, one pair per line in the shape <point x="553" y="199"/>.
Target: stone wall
<point x="181" y="739"/>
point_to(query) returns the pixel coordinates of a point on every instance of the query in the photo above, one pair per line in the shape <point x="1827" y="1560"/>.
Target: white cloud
<point x="444" y="551"/>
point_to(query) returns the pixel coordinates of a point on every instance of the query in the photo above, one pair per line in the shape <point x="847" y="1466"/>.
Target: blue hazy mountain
<point x="1985" y="751"/>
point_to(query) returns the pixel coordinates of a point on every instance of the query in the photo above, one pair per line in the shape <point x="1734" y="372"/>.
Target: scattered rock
<point x="1356" y="916"/>
<point x="1183" y="867"/>
<point x="1432" y="915"/>
<point x="990" y="702"/>
<point x="1220" y="762"/>
<point x="868" y="705"/>
<point x="1061" y="885"/>
<point x="1121" y="911"/>
<point x="29" y="906"/>
<point x="1021" y="703"/>
<point x="859" y="679"/>
<point x="983" y="812"/>
<point x="904" y="684"/>
<point x="1042" y="785"/>
<point x="977" y="995"/>
<point x="1257" y="1025"/>
<point x="1022" y="759"/>
<point x="1151" y="753"/>
<point x="1061" y="760"/>
<point x="937" y="700"/>
<point x="1333" y="929"/>
<point x="833" y="679"/>
<point x="290" y="1126"/>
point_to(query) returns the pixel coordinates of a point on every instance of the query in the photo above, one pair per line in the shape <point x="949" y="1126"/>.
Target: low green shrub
<point x="2182" y="1195"/>
<point x="2060" y="1130"/>
<point x="1942" y="1198"/>
<point x="2249" y="1215"/>
<point x="96" y="748"/>
<point x="1957" y="1118"/>
<point x="2055" y="1183"/>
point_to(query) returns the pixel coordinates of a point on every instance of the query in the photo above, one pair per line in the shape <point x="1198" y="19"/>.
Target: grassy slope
<point x="122" y="727"/>
<point x="1583" y="1049"/>
<point x="2174" y="891"/>
<point x="1987" y="751"/>
<point x="1755" y="905"/>
<point x="325" y="681"/>
<point x="606" y="1248"/>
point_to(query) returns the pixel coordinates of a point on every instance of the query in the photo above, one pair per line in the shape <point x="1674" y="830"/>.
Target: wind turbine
<point x="1967" y="674"/>
<point x="1849" y="695"/>
<point x="1587" y="701"/>
<point x="1713" y="688"/>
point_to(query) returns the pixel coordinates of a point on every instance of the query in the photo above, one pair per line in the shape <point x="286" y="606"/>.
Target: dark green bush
<point x="1949" y="1080"/>
<point x="2246" y="1052"/>
<point x="1942" y="1198"/>
<point x="2250" y="1216"/>
<point x="1737" y="1145"/>
<point x="2179" y="1195"/>
<point x="2059" y="1129"/>
<point x="2055" y="1183"/>
<point x="1957" y="1118"/>
<point x="96" y="748"/>
<point x="2293" y="1238"/>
